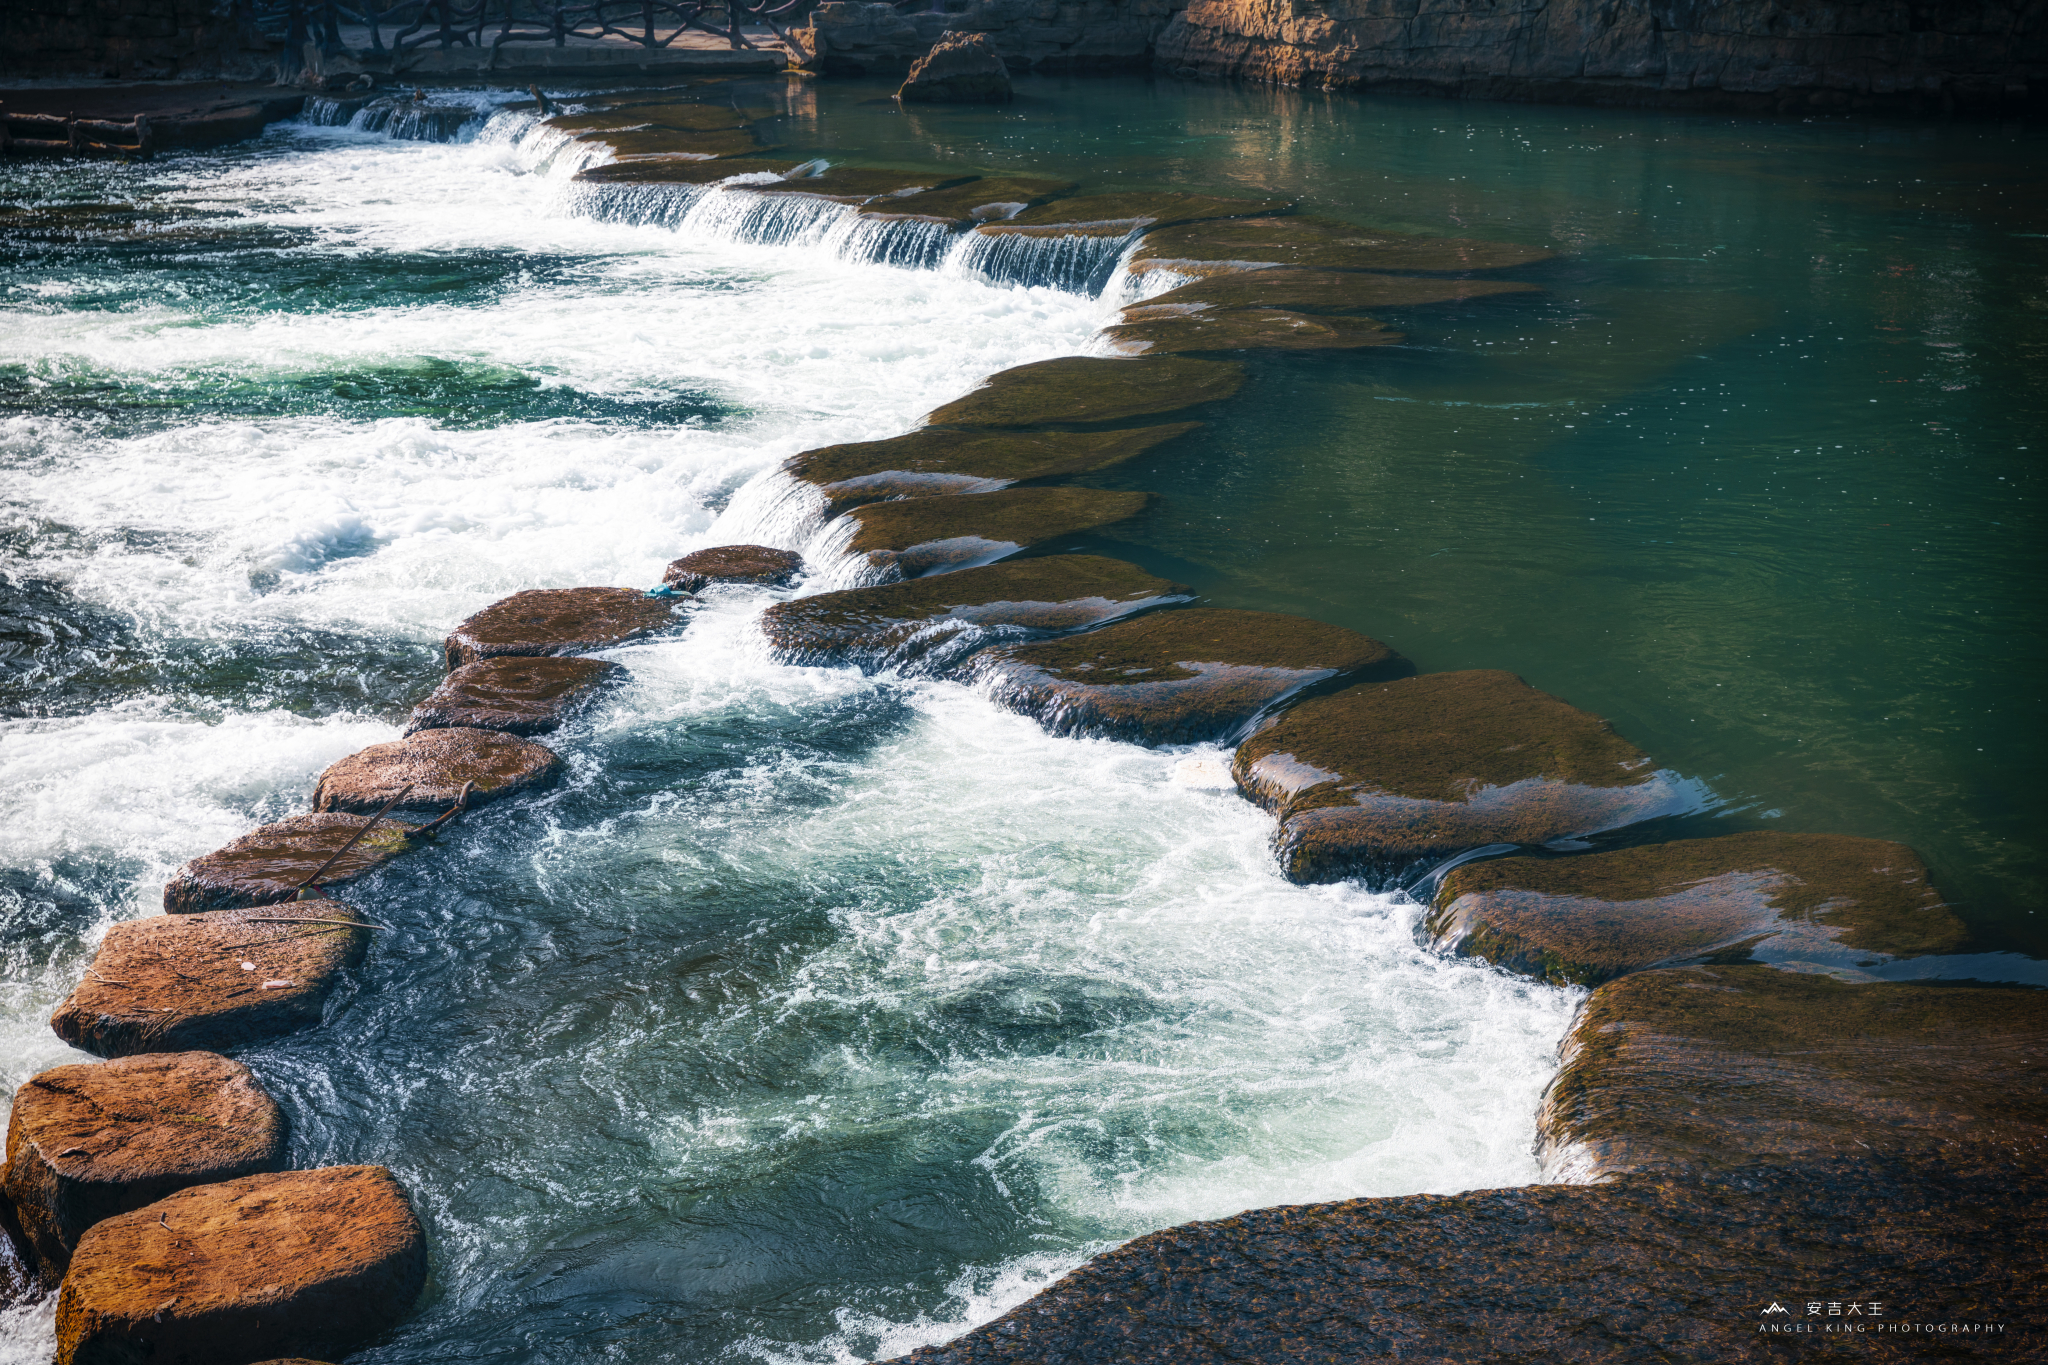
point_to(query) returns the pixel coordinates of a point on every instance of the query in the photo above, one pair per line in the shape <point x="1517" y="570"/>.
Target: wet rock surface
<point x="547" y="621"/>
<point x="727" y="143"/>
<point x="1803" y="898"/>
<point x="214" y="981"/>
<point x="86" y="1143"/>
<point x="677" y="170"/>
<point x="937" y="461"/>
<point x="858" y="184"/>
<point x="932" y="621"/>
<point x="1314" y="243"/>
<point x="1693" y="1069"/>
<point x="1114" y="215"/>
<point x="518" y="696"/>
<point x="1171" y="329"/>
<point x="1077" y="390"/>
<point x="1329" y="291"/>
<point x="435" y="765"/>
<point x="629" y="115"/>
<point x="917" y="536"/>
<point x="762" y="565"/>
<point x="982" y="200"/>
<point x="1177" y="677"/>
<point x="961" y="68"/>
<point x="268" y="864"/>
<point x="250" y="1269"/>
<point x="1383" y="776"/>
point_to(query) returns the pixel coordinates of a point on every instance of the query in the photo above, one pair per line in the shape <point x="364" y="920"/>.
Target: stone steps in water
<point x="432" y="768"/>
<point x="858" y="184"/>
<point x="984" y="199"/>
<point x="911" y="537"/>
<point x="677" y="170"/>
<point x="1082" y="390"/>
<point x="1171" y="329"/>
<point x="515" y="695"/>
<point x="727" y="144"/>
<point x="677" y="116"/>
<point x="270" y="862"/>
<point x="550" y="621"/>
<point x="1328" y="291"/>
<point x="1315" y="243"/>
<point x="1118" y="214"/>
<point x="756" y="565"/>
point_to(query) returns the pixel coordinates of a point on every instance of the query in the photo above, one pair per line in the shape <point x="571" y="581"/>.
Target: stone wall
<point x="1041" y="35"/>
<point x="131" y="40"/>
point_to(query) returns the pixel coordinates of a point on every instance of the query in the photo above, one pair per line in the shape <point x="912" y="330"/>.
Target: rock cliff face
<point x="1935" y="54"/>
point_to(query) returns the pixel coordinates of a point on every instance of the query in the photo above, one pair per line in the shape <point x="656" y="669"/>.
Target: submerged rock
<point x="1080" y="389"/>
<point x="547" y="621"/>
<point x="87" y="1143"/>
<point x="518" y="696"/>
<point x="215" y="981"/>
<point x="858" y="184"/>
<point x="936" y="461"/>
<point x="436" y="764"/>
<point x="1805" y="898"/>
<point x="1686" y="1070"/>
<point x="1177" y="677"/>
<point x="762" y="565"/>
<point x="1171" y="329"/>
<point x="931" y="621"/>
<point x="264" y="1266"/>
<point x="267" y="864"/>
<point x="961" y="68"/>
<point x="1382" y="776"/>
<point x="1116" y="215"/>
<point x="1328" y="291"/>
<point x="917" y="536"/>
<point x="678" y="170"/>
<point x="1314" y="243"/>
<point x="631" y="144"/>
<point x="677" y="115"/>
<point x="985" y="200"/>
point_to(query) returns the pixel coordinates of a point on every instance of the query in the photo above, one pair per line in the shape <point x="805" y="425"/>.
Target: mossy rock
<point x="1115" y="215"/>
<point x="518" y="696"/>
<point x="1080" y="390"/>
<point x="432" y="768"/>
<point x="988" y="199"/>
<point x="555" y="621"/>
<point x="682" y="117"/>
<point x="756" y="565"/>
<point x="933" y="622"/>
<point x="1329" y="291"/>
<point x="1686" y="1070"/>
<point x="671" y="142"/>
<point x="1177" y="677"/>
<point x="1312" y="243"/>
<point x="912" y="537"/>
<point x="938" y="461"/>
<point x="266" y="865"/>
<point x="1587" y="919"/>
<point x="1383" y="776"/>
<point x="1174" y="330"/>
<point x="858" y="184"/>
<point x="677" y="170"/>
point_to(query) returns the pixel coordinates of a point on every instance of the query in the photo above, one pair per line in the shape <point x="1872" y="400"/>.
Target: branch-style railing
<point x="464" y="23"/>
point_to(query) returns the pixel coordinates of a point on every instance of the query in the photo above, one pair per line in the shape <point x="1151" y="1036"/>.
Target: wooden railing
<point x="464" y="23"/>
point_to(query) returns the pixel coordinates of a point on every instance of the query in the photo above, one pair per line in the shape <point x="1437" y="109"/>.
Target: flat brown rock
<point x="934" y="620"/>
<point x="628" y="144"/>
<point x="1687" y="1070"/>
<point x="1313" y="243"/>
<point x="436" y="764"/>
<point x="217" y="981"/>
<point x="1329" y="291"/>
<point x="1171" y="329"/>
<point x="1383" y="776"/>
<point x="917" y="536"/>
<point x="695" y="118"/>
<point x="858" y="184"/>
<point x="267" y="864"/>
<point x="678" y="170"/>
<point x="519" y="696"/>
<point x="986" y="199"/>
<point x="1100" y="215"/>
<point x="547" y="621"/>
<point x="86" y="1143"/>
<point x="762" y="565"/>
<point x="1075" y="390"/>
<point x="1804" y="898"/>
<point x="268" y="1265"/>
<point x="1176" y="677"/>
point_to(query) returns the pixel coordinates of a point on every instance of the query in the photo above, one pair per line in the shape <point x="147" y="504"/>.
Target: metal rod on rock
<point x="355" y="838"/>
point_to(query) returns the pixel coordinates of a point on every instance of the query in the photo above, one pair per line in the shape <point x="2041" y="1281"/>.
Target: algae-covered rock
<point x="436" y="764"/>
<point x="1076" y="390"/>
<point x="1806" y="898"/>
<point x="547" y="621"/>
<point x="1379" y="777"/>
<point x="267" y="864"/>
<point x="1688" y="1069"/>
<point x="759" y="565"/>
<point x="1115" y="215"/>
<point x="519" y="696"/>
<point x="961" y="68"/>
<point x="858" y="184"/>
<point x="288" y="1264"/>
<point x="933" y="621"/>
<point x="1172" y="329"/>
<point x="937" y="461"/>
<point x="984" y="200"/>
<point x="917" y="536"/>
<point x="1314" y="243"/>
<point x="628" y="144"/>
<point x="1328" y="291"/>
<point x="1177" y="677"/>
<point x="87" y="1143"/>
<point x="677" y="115"/>
<point x="175" y="983"/>
<point x="678" y="170"/>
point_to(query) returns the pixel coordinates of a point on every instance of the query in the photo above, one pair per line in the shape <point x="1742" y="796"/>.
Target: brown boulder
<point x="86" y="1143"/>
<point x="1811" y="898"/>
<point x="515" y="695"/>
<point x="1176" y="677"/>
<point x="1081" y="389"/>
<point x="174" y="983"/>
<point x="267" y="864"/>
<point x="759" y="564"/>
<point x="436" y="764"/>
<point x="1383" y="776"/>
<point x="246" y="1270"/>
<point x="961" y="68"/>
<point x="551" y="621"/>
<point x="917" y="536"/>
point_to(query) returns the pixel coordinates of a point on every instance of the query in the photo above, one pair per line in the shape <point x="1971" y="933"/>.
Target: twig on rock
<point x="368" y="825"/>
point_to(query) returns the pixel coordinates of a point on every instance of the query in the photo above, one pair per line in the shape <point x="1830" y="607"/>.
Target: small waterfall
<point x="836" y="566"/>
<point x="772" y="508"/>
<point x="399" y="118"/>
<point x="1079" y="265"/>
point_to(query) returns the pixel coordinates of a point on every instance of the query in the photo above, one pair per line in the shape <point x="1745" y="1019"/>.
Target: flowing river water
<point x="820" y="1016"/>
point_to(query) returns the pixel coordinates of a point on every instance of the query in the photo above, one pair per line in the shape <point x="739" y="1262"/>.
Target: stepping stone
<point x="757" y="564"/>
<point x="1115" y="215"/>
<point x="514" y="695"/>
<point x="267" y="864"/>
<point x="939" y="461"/>
<point x="436" y="763"/>
<point x="86" y="1143"/>
<point x="295" y="1263"/>
<point x="988" y="199"/>
<point x="693" y="118"/>
<point x="1382" y="777"/>
<point x="628" y="144"/>
<point x="933" y="621"/>
<point x="917" y="536"/>
<point x="1174" y="330"/>
<point x="677" y="170"/>
<point x="1313" y="243"/>
<point x="547" y="621"/>
<point x="1076" y="389"/>
<point x="858" y="184"/>
<point x="1328" y="291"/>
<point x="174" y="983"/>
<point x="1687" y="1070"/>
<point x="1809" y="898"/>
<point x="1176" y="677"/>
